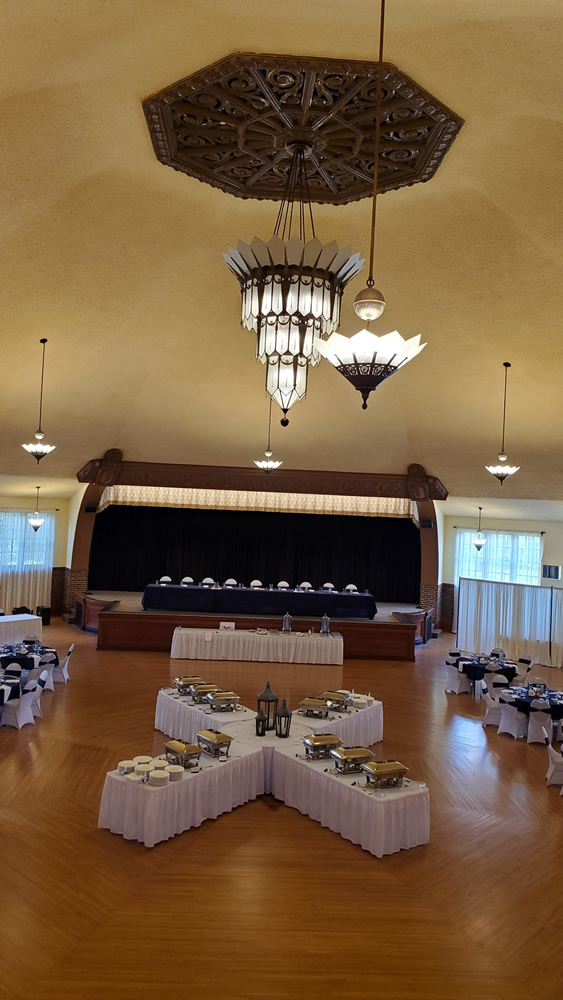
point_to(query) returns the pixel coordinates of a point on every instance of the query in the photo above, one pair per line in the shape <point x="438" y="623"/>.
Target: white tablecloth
<point x="13" y="628"/>
<point x="381" y="822"/>
<point x="176" y="718"/>
<point x="240" y="644"/>
<point x="358" y="728"/>
<point x="151" y="814"/>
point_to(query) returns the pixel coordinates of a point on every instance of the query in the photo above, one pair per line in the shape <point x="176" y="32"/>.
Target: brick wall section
<point x="428" y="596"/>
<point x="446" y="606"/>
<point x="57" y="590"/>
<point x="76" y="582"/>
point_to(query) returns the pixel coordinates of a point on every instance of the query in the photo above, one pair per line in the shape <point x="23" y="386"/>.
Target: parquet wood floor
<point x="263" y="904"/>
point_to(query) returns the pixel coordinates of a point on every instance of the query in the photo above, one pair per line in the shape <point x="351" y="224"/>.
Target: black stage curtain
<point x="134" y="546"/>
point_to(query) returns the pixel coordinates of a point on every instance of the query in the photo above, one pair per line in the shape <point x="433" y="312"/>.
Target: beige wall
<point x="61" y="520"/>
<point x="73" y="512"/>
<point x="440" y="533"/>
<point x="552" y="540"/>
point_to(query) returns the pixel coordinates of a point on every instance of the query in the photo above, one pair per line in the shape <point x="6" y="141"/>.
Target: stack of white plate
<point x="159" y="761"/>
<point x="136" y="778"/>
<point x="143" y="769"/>
<point x="126" y="766"/>
<point x="175" y="771"/>
<point x="142" y="760"/>
<point x="159" y="777"/>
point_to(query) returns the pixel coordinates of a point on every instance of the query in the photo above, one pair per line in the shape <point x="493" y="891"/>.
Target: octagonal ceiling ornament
<point x="234" y="123"/>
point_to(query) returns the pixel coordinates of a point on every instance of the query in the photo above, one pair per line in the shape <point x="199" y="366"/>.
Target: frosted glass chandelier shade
<point x="367" y="360"/>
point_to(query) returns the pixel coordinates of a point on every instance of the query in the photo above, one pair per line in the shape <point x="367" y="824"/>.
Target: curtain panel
<point x="519" y="619"/>
<point x="26" y="560"/>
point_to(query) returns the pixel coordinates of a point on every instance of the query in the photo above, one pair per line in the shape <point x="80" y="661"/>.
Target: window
<point x="26" y="560"/>
<point x="507" y="556"/>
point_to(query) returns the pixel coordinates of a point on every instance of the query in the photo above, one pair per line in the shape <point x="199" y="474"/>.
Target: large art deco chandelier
<point x="291" y="286"/>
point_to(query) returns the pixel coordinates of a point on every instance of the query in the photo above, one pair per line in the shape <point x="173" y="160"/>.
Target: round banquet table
<point x="476" y="671"/>
<point x="523" y="703"/>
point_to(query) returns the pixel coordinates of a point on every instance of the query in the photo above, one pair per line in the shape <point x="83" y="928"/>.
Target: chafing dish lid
<point x="224" y="695"/>
<point x="205" y="688"/>
<point x="186" y="681"/>
<point x="176" y="746"/>
<point x="214" y="736"/>
<point x="313" y="703"/>
<point x="352" y="753"/>
<point x="333" y="696"/>
<point x="385" y="768"/>
<point x="321" y="740"/>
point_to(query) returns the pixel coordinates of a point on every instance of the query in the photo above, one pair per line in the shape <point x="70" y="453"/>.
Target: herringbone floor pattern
<point x="264" y="904"/>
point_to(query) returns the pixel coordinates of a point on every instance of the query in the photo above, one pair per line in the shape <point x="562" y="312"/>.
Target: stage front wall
<point x="133" y="546"/>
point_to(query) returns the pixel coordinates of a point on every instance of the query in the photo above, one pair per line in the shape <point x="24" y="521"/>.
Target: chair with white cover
<point x="540" y="721"/>
<point x="492" y="714"/>
<point x="455" y="653"/>
<point x="186" y="580"/>
<point x="350" y="587"/>
<point x="495" y="684"/>
<point x="208" y="581"/>
<point x="512" y="721"/>
<point x="231" y="582"/>
<point x="456" y="681"/>
<point x="497" y="652"/>
<point x="60" y="673"/>
<point x="47" y="662"/>
<point x="554" y="773"/>
<point x="13" y="670"/>
<point x="18" y="712"/>
<point x="283" y="585"/>
<point x="31" y="637"/>
<point x="37" y="687"/>
<point x="328" y="586"/>
<point x="255" y="584"/>
<point x="165" y="579"/>
<point x="521" y="675"/>
<point x="306" y="585"/>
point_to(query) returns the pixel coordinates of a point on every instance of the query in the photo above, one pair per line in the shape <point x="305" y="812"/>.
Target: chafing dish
<point x="223" y="701"/>
<point x="384" y="773"/>
<point x="185" y="754"/>
<point x="184" y="683"/>
<point x="315" y="707"/>
<point x="318" y="745"/>
<point x="336" y="700"/>
<point x="199" y="692"/>
<point x="215" y="743"/>
<point x="347" y="759"/>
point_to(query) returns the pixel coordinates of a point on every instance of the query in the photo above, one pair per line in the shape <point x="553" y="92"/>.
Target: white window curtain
<point x="514" y="618"/>
<point x="26" y="560"/>
<point x="507" y="556"/>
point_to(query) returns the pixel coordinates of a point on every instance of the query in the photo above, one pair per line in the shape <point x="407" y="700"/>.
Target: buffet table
<point x="176" y="718"/>
<point x="14" y="628"/>
<point x="247" y="601"/>
<point x="381" y="822"/>
<point x="242" y="644"/>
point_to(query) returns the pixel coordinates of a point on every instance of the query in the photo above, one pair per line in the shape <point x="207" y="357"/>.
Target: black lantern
<point x="268" y="703"/>
<point x="283" y="721"/>
<point x="260" y="721"/>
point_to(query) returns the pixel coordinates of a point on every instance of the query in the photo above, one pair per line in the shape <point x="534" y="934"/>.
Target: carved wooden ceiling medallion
<point x="233" y="125"/>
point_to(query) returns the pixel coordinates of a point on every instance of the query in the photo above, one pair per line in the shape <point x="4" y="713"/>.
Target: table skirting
<point x="151" y="815"/>
<point x="382" y="823"/>
<point x="245" y="601"/>
<point x="14" y="628"/>
<point x="176" y="718"/>
<point x="240" y="644"/>
<point x="10" y="689"/>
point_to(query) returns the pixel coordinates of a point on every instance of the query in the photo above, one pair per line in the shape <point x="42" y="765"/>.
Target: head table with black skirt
<point x="253" y="601"/>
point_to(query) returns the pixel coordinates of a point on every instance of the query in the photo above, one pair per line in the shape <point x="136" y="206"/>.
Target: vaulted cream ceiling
<point x="117" y="259"/>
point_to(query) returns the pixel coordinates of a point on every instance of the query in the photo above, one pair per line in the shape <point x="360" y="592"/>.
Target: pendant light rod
<point x="507" y="365"/>
<point x="370" y="282"/>
<point x="42" y="341"/>
<point x="269" y="425"/>
<point x="479" y="525"/>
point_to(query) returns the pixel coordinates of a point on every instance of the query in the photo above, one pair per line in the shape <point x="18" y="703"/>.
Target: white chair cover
<point x="47" y="662"/>
<point x="554" y="773"/>
<point x="187" y="579"/>
<point x="18" y="712"/>
<point x="306" y="585"/>
<point x="511" y="720"/>
<point x="37" y="689"/>
<point x="495" y="685"/>
<point x="328" y="586"/>
<point x="497" y="651"/>
<point x="256" y="583"/>
<point x="231" y="582"/>
<point x="165" y="579"/>
<point x="283" y="585"/>
<point x="207" y="580"/>
<point x="456" y="681"/>
<point x="60" y="673"/>
<point x="350" y="586"/>
<point x="13" y="670"/>
<point x="540" y="721"/>
<point x="492" y="714"/>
